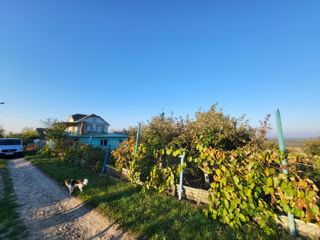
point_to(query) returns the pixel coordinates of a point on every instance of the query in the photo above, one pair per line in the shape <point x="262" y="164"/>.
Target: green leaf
<point x="298" y="213"/>
<point x="247" y="191"/>
<point x="176" y="153"/>
<point x="223" y="181"/>
<point x="236" y="180"/>
<point x="230" y="189"/>
<point x="242" y="217"/>
<point x="169" y="151"/>
<point x="300" y="194"/>
<point x="285" y="207"/>
<point x="276" y="182"/>
<point x="269" y="181"/>
<point x="312" y="194"/>
<point x="314" y="210"/>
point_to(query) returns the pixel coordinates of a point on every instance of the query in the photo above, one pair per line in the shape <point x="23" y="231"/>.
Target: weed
<point x="11" y="227"/>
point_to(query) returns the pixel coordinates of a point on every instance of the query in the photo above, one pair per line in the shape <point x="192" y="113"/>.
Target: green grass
<point x="150" y="214"/>
<point x="11" y="226"/>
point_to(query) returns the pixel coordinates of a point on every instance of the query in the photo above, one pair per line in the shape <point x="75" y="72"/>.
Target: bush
<point x="250" y="185"/>
<point x="94" y="157"/>
<point x="312" y="146"/>
<point x="269" y="145"/>
<point x="123" y="153"/>
<point x="74" y="154"/>
<point x="211" y="128"/>
<point x="48" y="151"/>
<point x="243" y="173"/>
<point x="56" y="133"/>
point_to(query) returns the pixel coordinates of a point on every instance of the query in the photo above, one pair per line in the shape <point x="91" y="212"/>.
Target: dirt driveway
<point x="49" y="213"/>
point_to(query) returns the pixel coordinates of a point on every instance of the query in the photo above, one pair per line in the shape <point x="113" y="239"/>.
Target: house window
<point x="100" y="128"/>
<point x="103" y="142"/>
<point x="89" y="128"/>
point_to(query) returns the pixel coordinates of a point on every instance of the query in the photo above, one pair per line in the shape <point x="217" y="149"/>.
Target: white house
<point x="86" y="123"/>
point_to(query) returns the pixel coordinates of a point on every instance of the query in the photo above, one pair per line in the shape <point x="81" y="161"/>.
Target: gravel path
<point x="49" y="213"/>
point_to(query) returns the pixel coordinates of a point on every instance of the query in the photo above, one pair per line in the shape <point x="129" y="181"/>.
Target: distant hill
<point x="294" y="142"/>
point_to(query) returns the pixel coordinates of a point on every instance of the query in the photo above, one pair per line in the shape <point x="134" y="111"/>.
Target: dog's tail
<point x="67" y="181"/>
<point x="85" y="181"/>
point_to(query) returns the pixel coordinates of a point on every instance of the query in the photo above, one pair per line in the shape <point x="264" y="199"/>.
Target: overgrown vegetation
<point x="148" y="213"/>
<point x="312" y="146"/>
<point x="69" y="152"/>
<point x="27" y="135"/>
<point x="228" y="156"/>
<point x="11" y="226"/>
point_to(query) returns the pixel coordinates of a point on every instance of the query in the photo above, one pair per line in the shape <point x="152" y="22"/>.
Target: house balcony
<point x="96" y="135"/>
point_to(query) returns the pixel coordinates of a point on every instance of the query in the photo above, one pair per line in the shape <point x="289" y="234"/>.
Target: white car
<point x="11" y="146"/>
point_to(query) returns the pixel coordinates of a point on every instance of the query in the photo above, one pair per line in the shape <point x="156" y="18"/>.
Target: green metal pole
<point x="137" y="141"/>
<point x="181" y="176"/>
<point x="92" y="133"/>
<point x="292" y="225"/>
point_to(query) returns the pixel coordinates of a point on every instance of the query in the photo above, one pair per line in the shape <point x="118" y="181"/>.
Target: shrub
<point x="211" y="128"/>
<point x="123" y="153"/>
<point x="48" y="151"/>
<point x="269" y="145"/>
<point x="94" y="157"/>
<point x="250" y="185"/>
<point x="312" y="146"/>
<point x="56" y="133"/>
<point x="74" y="154"/>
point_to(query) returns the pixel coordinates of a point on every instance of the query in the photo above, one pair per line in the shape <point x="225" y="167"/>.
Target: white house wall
<point x="94" y="121"/>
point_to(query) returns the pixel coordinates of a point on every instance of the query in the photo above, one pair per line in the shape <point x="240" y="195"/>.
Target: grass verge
<point x="11" y="227"/>
<point x="150" y="214"/>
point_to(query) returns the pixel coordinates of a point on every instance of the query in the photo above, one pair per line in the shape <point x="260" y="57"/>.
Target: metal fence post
<point x="106" y="159"/>
<point x="292" y="225"/>
<point x="137" y="141"/>
<point x="181" y="176"/>
<point x="92" y="133"/>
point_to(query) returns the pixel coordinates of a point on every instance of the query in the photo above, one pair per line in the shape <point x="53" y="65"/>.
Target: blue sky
<point x="129" y="60"/>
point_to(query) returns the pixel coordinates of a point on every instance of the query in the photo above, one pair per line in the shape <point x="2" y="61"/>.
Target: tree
<point x="57" y="134"/>
<point x="2" y="131"/>
<point x="49" y="122"/>
<point x="27" y="135"/>
<point x="312" y="146"/>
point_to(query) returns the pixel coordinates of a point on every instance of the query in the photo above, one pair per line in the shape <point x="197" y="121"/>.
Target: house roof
<point x="80" y="117"/>
<point x="41" y="132"/>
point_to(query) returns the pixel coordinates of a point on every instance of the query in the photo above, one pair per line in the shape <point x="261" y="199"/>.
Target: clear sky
<point x="129" y="60"/>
